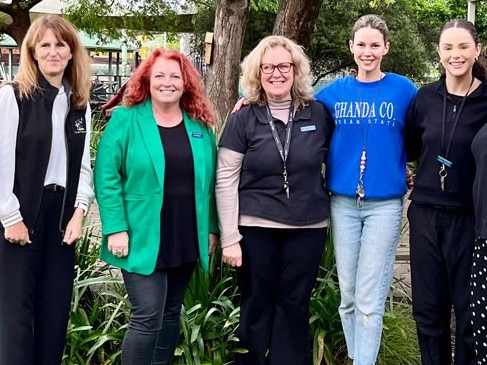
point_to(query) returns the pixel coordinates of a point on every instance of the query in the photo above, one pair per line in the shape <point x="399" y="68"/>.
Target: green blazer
<point x="129" y="180"/>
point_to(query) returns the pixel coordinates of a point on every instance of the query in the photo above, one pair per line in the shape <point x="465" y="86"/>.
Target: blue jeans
<point x="156" y="299"/>
<point x="365" y="236"/>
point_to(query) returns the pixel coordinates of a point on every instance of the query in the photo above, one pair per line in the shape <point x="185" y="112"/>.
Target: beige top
<point x="227" y="180"/>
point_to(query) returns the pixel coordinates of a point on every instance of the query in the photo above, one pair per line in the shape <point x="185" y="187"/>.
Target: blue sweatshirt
<point x="368" y="116"/>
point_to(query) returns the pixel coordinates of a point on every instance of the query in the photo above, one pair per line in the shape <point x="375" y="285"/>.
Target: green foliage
<point x="99" y="309"/>
<point x="408" y="54"/>
<point x="325" y="325"/>
<point x="399" y="345"/>
<point x="399" y="342"/>
<point x="376" y="3"/>
<point x="209" y="317"/>
<point x="98" y="123"/>
<point x="124" y="19"/>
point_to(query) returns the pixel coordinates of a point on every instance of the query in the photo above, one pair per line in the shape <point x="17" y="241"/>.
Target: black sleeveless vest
<point x="33" y="148"/>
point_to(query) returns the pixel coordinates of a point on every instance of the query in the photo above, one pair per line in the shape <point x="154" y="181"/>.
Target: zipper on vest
<point x="66" y="140"/>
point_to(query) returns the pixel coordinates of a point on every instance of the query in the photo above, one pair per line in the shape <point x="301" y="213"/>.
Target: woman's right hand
<point x="17" y="233"/>
<point x="118" y="244"/>
<point x="232" y="255"/>
<point x="240" y="103"/>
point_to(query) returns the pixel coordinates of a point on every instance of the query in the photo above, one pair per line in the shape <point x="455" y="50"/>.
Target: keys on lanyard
<point x="360" y="192"/>
<point x="443" y="174"/>
<point x="286" y="183"/>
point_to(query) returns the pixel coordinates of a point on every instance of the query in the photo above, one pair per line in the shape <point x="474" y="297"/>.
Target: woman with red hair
<point x="154" y="182"/>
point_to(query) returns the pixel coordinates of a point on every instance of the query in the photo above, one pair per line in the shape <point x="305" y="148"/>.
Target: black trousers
<point x="441" y="248"/>
<point x="277" y="275"/>
<point x="36" y="282"/>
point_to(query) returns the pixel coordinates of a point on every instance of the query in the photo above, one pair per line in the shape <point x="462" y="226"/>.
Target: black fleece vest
<point x="33" y="149"/>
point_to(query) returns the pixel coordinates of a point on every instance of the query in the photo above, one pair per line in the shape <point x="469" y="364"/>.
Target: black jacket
<point x="424" y="140"/>
<point x="33" y="148"/>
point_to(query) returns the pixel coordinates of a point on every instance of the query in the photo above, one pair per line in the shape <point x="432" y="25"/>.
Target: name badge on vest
<point x="197" y="134"/>
<point x="308" y="128"/>
<point x="79" y="126"/>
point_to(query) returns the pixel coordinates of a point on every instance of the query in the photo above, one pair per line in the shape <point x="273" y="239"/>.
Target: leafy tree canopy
<point x="413" y="26"/>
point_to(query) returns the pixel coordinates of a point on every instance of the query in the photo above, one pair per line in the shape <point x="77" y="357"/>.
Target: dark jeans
<point x="441" y="251"/>
<point x="277" y="275"/>
<point x="156" y="299"/>
<point x="36" y="282"/>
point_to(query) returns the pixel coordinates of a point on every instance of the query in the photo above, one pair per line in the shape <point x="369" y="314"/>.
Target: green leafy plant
<point x="98" y="123"/>
<point x="325" y="325"/>
<point x="398" y="344"/>
<point x="99" y="309"/>
<point x="209" y="317"/>
<point x="328" y="340"/>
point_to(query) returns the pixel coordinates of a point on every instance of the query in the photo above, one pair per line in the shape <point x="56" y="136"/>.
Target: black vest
<point x="33" y="148"/>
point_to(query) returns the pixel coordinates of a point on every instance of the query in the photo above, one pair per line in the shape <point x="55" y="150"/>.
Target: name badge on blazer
<point x="308" y="128"/>
<point x="79" y="126"/>
<point x="197" y="134"/>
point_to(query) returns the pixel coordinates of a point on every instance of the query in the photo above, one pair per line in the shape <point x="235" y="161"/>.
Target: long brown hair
<point x="78" y="70"/>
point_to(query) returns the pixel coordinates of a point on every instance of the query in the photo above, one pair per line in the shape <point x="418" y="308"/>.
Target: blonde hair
<point x="301" y="90"/>
<point x="78" y="70"/>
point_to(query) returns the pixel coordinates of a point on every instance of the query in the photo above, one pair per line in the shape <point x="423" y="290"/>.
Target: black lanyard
<point x="283" y="150"/>
<point x="456" y="118"/>
<point x="445" y="150"/>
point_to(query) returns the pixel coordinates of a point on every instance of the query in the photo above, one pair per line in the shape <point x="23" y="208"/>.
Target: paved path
<point x="402" y="269"/>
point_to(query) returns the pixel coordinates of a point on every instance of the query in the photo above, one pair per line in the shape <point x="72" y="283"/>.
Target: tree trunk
<point x="20" y="25"/>
<point x="296" y="19"/>
<point x="223" y="72"/>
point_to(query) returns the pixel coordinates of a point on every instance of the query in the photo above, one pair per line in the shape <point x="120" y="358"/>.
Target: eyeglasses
<point x="268" y="68"/>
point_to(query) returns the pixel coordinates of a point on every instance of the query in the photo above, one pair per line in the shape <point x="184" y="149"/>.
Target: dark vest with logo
<point x="33" y="148"/>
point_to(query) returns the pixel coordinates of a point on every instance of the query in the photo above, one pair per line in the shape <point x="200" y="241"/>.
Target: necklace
<point x="360" y="190"/>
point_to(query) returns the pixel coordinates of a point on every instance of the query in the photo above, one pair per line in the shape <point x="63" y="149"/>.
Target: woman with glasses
<point x="272" y="204"/>
<point x="366" y="174"/>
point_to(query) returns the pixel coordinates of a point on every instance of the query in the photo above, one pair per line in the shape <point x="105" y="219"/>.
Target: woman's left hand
<point x="74" y="229"/>
<point x="213" y="243"/>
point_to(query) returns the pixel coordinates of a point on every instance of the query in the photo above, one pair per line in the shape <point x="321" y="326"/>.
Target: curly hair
<point x="78" y="70"/>
<point x="193" y="100"/>
<point x="301" y="91"/>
